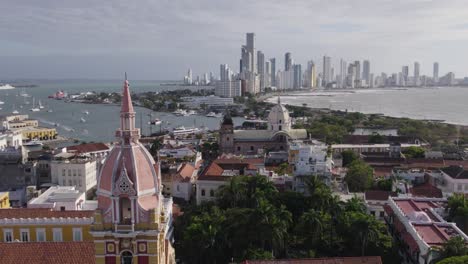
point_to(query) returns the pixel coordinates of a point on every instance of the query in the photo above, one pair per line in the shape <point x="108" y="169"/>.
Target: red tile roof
<point x="215" y="170"/>
<point x="336" y="260"/>
<point x="435" y="234"/>
<point x="88" y="148"/>
<point x="379" y="195"/>
<point x="426" y="190"/>
<point x="47" y="252"/>
<point x="42" y="213"/>
<point x="185" y="173"/>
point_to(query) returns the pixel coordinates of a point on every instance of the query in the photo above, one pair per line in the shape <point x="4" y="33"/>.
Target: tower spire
<point x="128" y="132"/>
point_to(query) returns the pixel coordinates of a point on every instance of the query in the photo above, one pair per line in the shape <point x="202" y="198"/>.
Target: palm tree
<point x="355" y="204"/>
<point x="311" y="226"/>
<point x="366" y="230"/>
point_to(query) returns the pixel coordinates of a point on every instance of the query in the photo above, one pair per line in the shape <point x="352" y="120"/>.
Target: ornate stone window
<point x="124" y="185"/>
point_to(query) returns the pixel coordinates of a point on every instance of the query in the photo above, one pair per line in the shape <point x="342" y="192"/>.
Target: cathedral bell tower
<point x="132" y="216"/>
<point x="226" y="134"/>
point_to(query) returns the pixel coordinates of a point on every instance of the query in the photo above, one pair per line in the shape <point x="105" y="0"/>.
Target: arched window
<point x="280" y="127"/>
<point x="203" y="192"/>
<point x="212" y="193"/>
<point x="126" y="257"/>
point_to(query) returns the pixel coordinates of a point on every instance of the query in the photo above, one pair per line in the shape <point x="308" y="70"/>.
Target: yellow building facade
<point x="45" y="225"/>
<point x="39" y="133"/>
<point x="4" y="200"/>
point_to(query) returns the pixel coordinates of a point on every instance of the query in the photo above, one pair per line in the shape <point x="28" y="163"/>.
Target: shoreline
<point x="301" y="92"/>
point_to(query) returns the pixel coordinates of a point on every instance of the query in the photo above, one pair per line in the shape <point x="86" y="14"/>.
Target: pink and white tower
<point x="129" y="183"/>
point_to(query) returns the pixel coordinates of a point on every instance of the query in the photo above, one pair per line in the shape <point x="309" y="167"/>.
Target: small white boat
<point x="40" y="105"/>
<point x="15" y="112"/>
<point x="155" y="122"/>
<point x="86" y="112"/>
<point x="24" y="94"/>
<point x="1" y="102"/>
<point x="180" y="112"/>
<point x="82" y="120"/>
<point x="211" y="114"/>
<point x="50" y="111"/>
<point x="34" y="109"/>
<point x="184" y="131"/>
<point x="6" y="87"/>
<point x="33" y="143"/>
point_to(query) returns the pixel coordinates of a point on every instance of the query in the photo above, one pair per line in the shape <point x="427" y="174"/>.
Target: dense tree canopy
<point x="414" y="152"/>
<point x="251" y="219"/>
<point x="359" y="176"/>
<point x="458" y="211"/>
<point x="348" y="157"/>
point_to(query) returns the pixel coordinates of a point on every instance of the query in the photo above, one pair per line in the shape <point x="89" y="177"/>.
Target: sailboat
<point x="15" y="112"/>
<point x="1" y="102"/>
<point x="40" y="105"/>
<point x="34" y="108"/>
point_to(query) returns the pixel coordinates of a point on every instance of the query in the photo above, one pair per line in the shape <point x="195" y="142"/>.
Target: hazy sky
<point x="160" y="39"/>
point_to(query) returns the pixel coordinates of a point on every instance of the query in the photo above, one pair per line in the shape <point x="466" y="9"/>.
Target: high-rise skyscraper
<point x="246" y="61"/>
<point x="273" y="72"/>
<point x="326" y="70"/>
<point x="311" y="74"/>
<point x="357" y="65"/>
<point x="297" y="68"/>
<point x="261" y="68"/>
<point x="251" y="48"/>
<point x="416" y="74"/>
<point x="288" y="62"/>
<point x="342" y="80"/>
<point x="267" y="76"/>
<point x="435" y="74"/>
<point x="366" y="71"/>
<point x="405" y="72"/>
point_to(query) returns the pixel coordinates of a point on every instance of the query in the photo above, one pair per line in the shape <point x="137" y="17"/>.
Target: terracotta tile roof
<point x="379" y="195"/>
<point x="337" y="260"/>
<point x="426" y="190"/>
<point x="215" y="170"/>
<point x="185" y="173"/>
<point x="42" y="213"/>
<point x="87" y="148"/>
<point x="47" y="252"/>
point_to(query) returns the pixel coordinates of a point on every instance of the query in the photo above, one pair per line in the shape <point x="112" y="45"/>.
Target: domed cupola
<point x="279" y="117"/>
<point x="129" y="184"/>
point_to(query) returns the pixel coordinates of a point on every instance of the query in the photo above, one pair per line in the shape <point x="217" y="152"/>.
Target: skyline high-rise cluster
<point x="256" y="73"/>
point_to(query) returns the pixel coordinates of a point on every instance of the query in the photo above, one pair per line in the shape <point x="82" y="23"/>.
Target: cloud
<point x="202" y="34"/>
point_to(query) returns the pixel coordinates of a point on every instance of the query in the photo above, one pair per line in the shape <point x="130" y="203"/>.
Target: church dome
<point x="129" y="171"/>
<point x="279" y="117"/>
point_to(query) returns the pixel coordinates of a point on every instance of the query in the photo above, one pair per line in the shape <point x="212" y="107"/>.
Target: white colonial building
<point x="67" y="169"/>
<point x="60" y="198"/>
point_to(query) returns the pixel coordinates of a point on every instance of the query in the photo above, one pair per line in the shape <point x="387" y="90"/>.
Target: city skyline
<point x="55" y="39"/>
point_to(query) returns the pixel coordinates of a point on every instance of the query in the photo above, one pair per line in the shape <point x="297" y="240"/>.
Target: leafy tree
<point x="384" y="184"/>
<point x="454" y="260"/>
<point x="359" y="176"/>
<point x="376" y="139"/>
<point x="458" y="210"/>
<point x="414" y="152"/>
<point x="282" y="169"/>
<point x="156" y="146"/>
<point x="455" y="246"/>
<point x="348" y="157"/>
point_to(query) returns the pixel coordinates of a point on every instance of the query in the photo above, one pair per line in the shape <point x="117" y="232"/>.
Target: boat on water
<point x="59" y="95"/>
<point x="50" y="111"/>
<point x="82" y="120"/>
<point x="213" y="114"/>
<point x="14" y="111"/>
<point x="155" y="122"/>
<point x="23" y="93"/>
<point x="192" y="112"/>
<point x="40" y="105"/>
<point x="33" y="143"/>
<point x="6" y="87"/>
<point x="184" y="131"/>
<point x="1" y="102"/>
<point x="86" y="112"/>
<point x="34" y="108"/>
<point x="180" y="112"/>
